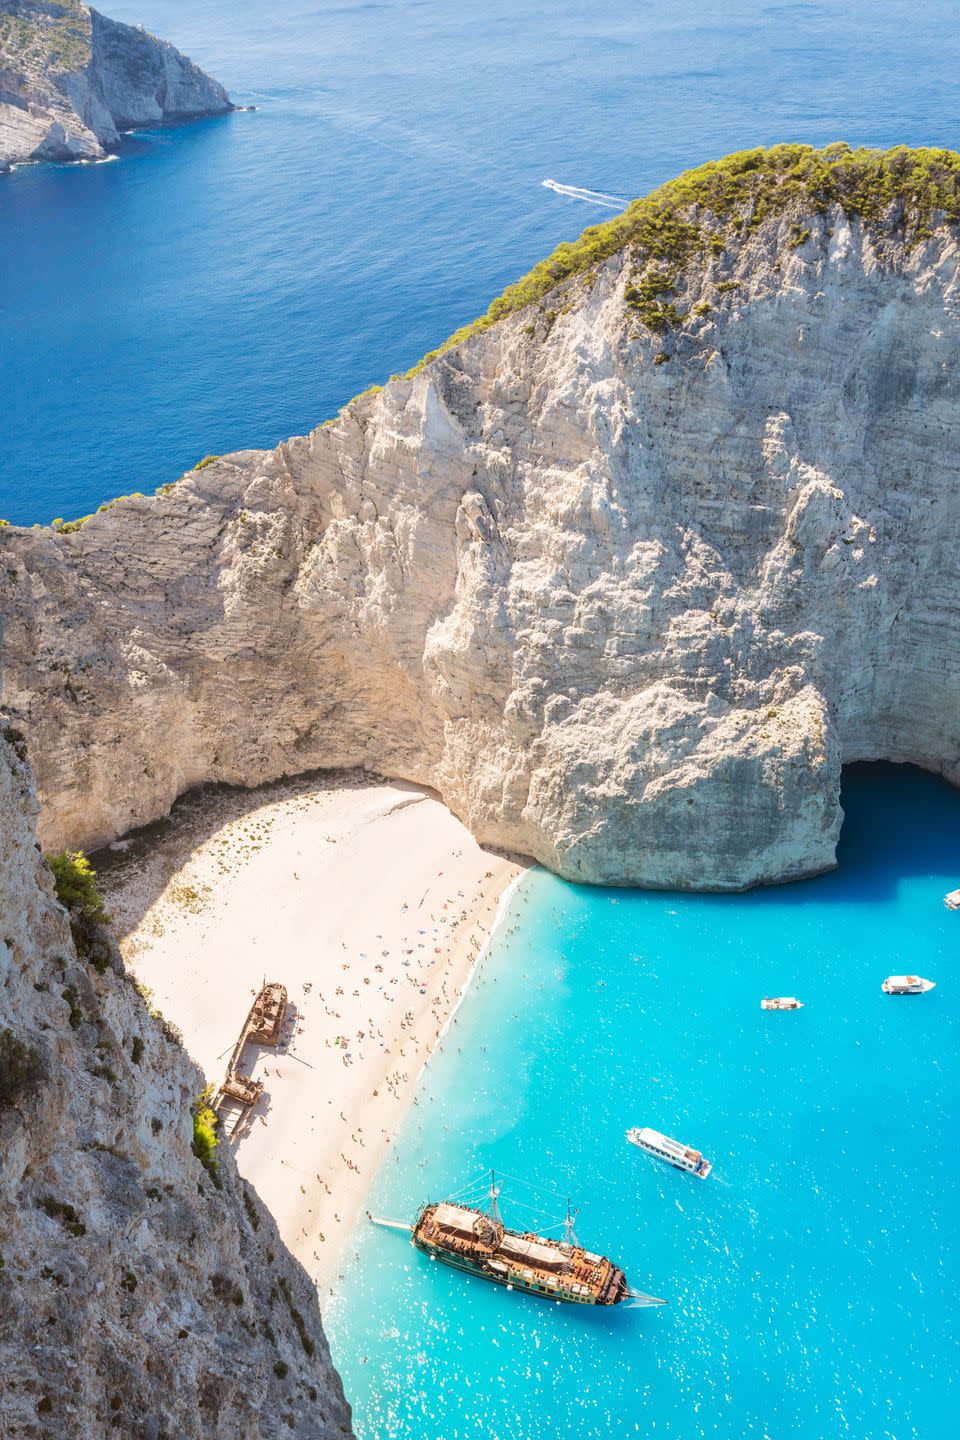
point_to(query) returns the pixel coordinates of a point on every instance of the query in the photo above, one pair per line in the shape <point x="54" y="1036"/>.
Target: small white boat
<point x="952" y="901"/>
<point x="683" y="1157"/>
<point x="781" y="1002"/>
<point x="907" y="985"/>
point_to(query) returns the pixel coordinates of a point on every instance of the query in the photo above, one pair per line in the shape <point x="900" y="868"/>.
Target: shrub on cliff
<point x="76" y="883"/>
<point x="76" y="886"/>
<point x="21" y="1066"/>
<point x="205" y="1138"/>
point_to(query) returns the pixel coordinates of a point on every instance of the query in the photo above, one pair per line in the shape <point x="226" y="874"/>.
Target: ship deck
<point x="524" y="1258"/>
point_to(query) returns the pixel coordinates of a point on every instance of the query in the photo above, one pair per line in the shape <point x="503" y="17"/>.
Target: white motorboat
<point x="683" y="1157"/>
<point x="781" y="1002"/>
<point x="907" y="985"/>
<point x="952" y="901"/>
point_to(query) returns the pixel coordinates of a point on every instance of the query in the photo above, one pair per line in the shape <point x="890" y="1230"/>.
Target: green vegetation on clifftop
<point x="745" y="188"/>
<point x="54" y="35"/>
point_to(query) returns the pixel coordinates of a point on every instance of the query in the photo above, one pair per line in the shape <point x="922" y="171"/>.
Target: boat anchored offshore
<point x="952" y="900"/>
<point x="663" y="1148"/>
<point x="907" y="985"/>
<point x="781" y="1002"/>
<point x="476" y="1240"/>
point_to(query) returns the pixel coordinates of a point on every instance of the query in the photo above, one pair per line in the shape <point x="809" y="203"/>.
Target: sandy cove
<point x="371" y="903"/>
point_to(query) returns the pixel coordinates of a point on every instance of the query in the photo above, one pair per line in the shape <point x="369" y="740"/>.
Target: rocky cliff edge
<point x="141" y="1294"/>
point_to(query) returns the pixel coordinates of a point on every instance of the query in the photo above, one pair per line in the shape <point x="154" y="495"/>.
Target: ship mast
<point x="493" y="1210"/>
<point x="568" y="1236"/>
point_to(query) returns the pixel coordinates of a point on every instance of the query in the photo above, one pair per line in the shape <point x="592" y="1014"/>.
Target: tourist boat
<point x="952" y="901"/>
<point x="907" y="985"/>
<point x="476" y="1240"/>
<point x="781" y="1002"/>
<point x="663" y="1148"/>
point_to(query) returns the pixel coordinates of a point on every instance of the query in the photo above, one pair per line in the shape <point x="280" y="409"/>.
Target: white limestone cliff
<point x="627" y="600"/>
<point x="71" y="80"/>
<point x="137" y="1297"/>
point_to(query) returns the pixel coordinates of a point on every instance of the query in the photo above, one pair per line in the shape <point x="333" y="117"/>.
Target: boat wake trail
<point x="591" y="197"/>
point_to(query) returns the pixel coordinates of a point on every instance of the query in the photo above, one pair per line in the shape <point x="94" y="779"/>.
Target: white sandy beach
<point x="371" y="903"/>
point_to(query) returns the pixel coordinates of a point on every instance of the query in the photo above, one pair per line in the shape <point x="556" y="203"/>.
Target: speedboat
<point x="781" y="1002"/>
<point x="952" y="901"/>
<point x="907" y="985"/>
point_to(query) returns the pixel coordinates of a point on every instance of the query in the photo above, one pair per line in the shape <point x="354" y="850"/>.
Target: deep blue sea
<point x="812" y="1278"/>
<point x="229" y="283"/>
<point x="232" y="282"/>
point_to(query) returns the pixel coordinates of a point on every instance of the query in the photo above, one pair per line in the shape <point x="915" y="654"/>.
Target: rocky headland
<point x="625" y="572"/>
<point x="71" y="80"/>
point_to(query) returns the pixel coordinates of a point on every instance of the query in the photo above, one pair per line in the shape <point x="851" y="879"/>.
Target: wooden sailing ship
<point x="477" y="1241"/>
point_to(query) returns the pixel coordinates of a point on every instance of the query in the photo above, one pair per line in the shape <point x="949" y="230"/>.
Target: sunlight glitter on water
<point x="811" y="1278"/>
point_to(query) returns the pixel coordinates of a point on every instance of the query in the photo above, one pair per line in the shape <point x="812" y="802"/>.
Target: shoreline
<point x="357" y="1191"/>
<point x="316" y="883"/>
<point x="503" y="901"/>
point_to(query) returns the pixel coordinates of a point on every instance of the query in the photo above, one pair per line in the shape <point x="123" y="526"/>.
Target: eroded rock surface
<point x="626" y="599"/>
<point x="71" y="80"/>
<point x="137" y="1298"/>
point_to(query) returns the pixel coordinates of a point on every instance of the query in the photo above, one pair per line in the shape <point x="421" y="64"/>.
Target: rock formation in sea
<point x="625" y="572"/>
<point x="141" y="1294"/>
<point x="71" y="80"/>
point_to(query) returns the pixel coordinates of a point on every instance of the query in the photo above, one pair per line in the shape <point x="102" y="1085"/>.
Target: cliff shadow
<point x="900" y="822"/>
<point x="135" y="870"/>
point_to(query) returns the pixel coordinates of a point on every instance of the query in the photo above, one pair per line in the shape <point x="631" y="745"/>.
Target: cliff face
<point x="624" y="578"/>
<point x="70" y="80"/>
<point x="136" y="1297"/>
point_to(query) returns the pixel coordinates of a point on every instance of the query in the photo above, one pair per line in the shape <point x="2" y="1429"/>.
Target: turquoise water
<point x="233" y="282"/>
<point x="812" y="1279"/>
